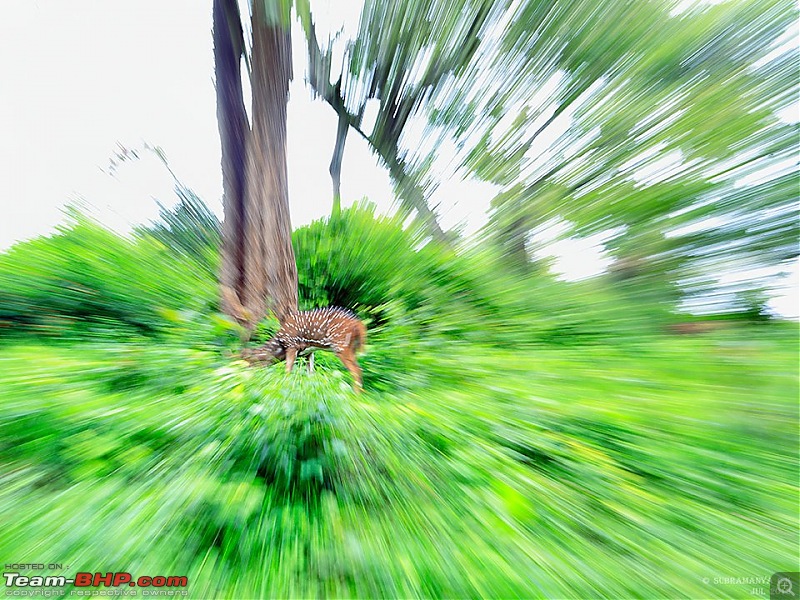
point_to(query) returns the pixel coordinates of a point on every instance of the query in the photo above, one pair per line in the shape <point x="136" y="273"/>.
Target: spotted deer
<point x="302" y="333"/>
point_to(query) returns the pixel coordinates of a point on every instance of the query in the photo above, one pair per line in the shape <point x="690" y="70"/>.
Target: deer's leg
<point x="348" y="357"/>
<point x="311" y="363"/>
<point x="291" y="355"/>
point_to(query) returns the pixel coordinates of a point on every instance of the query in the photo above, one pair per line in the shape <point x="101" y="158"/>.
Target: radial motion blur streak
<point x="525" y="429"/>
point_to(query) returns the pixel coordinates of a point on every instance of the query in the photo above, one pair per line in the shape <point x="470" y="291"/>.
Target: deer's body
<point x="334" y="329"/>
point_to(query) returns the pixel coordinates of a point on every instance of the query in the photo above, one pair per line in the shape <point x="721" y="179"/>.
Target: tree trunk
<point x="258" y="265"/>
<point x="233" y="132"/>
<point x="412" y="197"/>
<point x="336" y="162"/>
<point x="270" y="270"/>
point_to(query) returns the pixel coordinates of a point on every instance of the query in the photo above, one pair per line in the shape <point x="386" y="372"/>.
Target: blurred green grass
<point x="614" y="470"/>
<point x="520" y="436"/>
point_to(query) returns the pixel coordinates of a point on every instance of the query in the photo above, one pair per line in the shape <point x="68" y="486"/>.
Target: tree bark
<point x="336" y="162"/>
<point x="233" y="132"/>
<point x="270" y="270"/>
<point x="412" y="197"/>
<point x="258" y="265"/>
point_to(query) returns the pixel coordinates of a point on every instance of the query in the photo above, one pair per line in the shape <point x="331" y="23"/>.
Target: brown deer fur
<point x="331" y="328"/>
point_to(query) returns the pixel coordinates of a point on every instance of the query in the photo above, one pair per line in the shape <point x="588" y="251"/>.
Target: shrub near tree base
<point x="86" y="280"/>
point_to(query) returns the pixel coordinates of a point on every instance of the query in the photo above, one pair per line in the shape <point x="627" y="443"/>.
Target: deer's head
<point x="272" y="351"/>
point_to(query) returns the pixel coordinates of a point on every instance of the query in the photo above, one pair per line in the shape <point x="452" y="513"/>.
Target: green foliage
<point x="190" y="228"/>
<point x="371" y="264"/>
<point x="353" y="259"/>
<point x="661" y="123"/>
<point x="490" y="472"/>
<point x="85" y="280"/>
<point x="519" y="436"/>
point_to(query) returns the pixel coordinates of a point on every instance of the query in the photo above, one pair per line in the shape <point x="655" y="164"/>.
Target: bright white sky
<point x="79" y="77"/>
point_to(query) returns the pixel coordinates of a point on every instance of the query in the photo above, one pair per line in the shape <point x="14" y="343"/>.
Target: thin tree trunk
<point x="412" y="197"/>
<point x="336" y="162"/>
<point x="233" y="131"/>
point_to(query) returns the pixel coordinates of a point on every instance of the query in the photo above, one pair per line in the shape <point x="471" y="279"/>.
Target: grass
<point x="644" y="469"/>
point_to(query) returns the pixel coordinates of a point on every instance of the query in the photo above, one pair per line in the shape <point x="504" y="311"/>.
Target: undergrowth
<point x="518" y="437"/>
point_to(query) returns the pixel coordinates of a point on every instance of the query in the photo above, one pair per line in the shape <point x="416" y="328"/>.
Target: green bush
<point x="87" y="281"/>
<point x="518" y="436"/>
<point x="468" y="472"/>
<point x="355" y="259"/>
